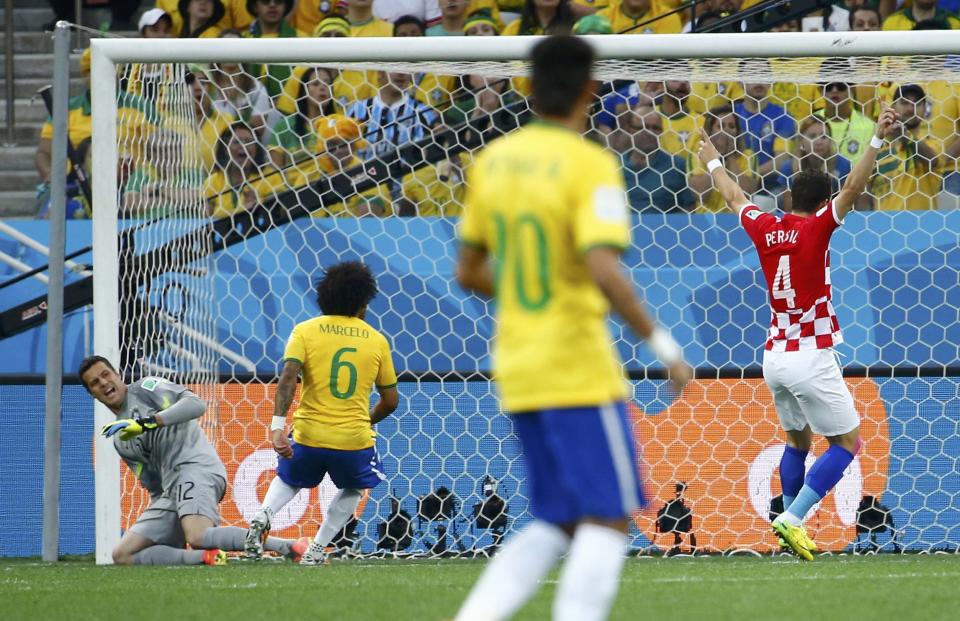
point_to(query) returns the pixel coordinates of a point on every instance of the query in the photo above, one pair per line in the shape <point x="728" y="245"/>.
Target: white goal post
<point x="505" y="54"/>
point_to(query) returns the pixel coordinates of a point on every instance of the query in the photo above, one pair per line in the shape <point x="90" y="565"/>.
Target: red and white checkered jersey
<point x="795" y="257"/>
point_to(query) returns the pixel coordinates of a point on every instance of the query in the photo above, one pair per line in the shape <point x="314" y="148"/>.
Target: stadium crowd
<point x="244" y="134"/>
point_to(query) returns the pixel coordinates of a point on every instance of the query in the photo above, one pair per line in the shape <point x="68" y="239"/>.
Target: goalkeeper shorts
<point x="581" y="463"/>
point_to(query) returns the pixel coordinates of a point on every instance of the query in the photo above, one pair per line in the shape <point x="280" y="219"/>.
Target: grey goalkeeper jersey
<point x="158" y="456"/>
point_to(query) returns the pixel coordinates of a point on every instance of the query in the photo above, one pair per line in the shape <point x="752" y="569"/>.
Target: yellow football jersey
<point x="621" y="22"/>
<point x="343" y="359"/>
<point x="537" y="200"/>
<point x="677" y="133"/>
<point x="904" y="179"/>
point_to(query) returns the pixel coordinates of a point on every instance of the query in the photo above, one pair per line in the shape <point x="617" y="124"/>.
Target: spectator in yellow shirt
<point x="235" y="183"/>
<point x="356" y="85"/>
<point x="435" y="189"/>
<point x="200" y="18"/>
<point x="294" y="137"/>
<point x="580" y="8"/>
<point x="428" y="88"/>
<point x="271" y="22"/>
<point x="481" y="23"/>
<point x="171" y="8"/>
<point x="906" y="173"/>
<point x="340" y="139"/>
<point x="205" y="123"/>
<point x="542" y="17"/>
<point x="629" y="17"/>
<point x="679" y="126"/>
<point x="723" y="127"/>
<point x="922" y="10"/>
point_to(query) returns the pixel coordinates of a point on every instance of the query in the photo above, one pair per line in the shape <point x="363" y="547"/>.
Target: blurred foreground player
<point x="544" y="225"/>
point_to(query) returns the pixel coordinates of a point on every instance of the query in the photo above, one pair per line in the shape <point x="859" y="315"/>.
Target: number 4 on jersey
<point x="782" y="287"/>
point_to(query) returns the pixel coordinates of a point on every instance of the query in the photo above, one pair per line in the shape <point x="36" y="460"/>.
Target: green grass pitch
<point x="865" y="588"/>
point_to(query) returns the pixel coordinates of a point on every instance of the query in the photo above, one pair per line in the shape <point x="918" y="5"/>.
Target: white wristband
<point x="279" y="422"/>
<point x="876" y="143"/>
<point x="663" y="345"/>
<point x="714" y="164"/>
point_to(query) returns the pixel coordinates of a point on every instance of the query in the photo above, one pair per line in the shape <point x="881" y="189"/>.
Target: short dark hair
<point x="87" y="363"/>
<point x="222" y="153"/>
<point x="913" y="92"/>
<point x="409" y="19"/>
<point x="562" y="66"/>
<point x="809" y="189"/>
<point x="865" y="7"/>
<point x="345" y="289"/>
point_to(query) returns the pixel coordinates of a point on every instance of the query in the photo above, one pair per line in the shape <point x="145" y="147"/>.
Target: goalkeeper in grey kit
<point x="158" y="436"/>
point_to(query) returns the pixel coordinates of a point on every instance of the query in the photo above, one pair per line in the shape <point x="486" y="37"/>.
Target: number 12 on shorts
<point x="782" y="286"/>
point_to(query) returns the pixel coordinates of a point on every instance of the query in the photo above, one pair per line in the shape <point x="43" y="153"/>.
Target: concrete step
<point x="18" y="180"/>
<point x="28" y="42"/>
<point x="18" y="158"/>
<point x="27" y="87"/>
<point x="25" y="111"/>
<point x="20" y="204"/>
<point x="24" y="135"/>
<point x="29" y="19"/>
<point x="41" y="65"/>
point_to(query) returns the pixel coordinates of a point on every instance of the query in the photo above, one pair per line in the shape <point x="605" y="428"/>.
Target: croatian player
<point x="544" y="225"/>
<point x="158" y="436"/>
<point x="799" y="364"/>
<point x="341" y="358"/>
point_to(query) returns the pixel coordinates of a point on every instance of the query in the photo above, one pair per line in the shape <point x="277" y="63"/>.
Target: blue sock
<point x="791" y="473"/>
<point x="825" y="473"/>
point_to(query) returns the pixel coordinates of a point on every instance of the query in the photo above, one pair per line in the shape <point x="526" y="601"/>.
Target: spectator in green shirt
<point x="851" y="129"/>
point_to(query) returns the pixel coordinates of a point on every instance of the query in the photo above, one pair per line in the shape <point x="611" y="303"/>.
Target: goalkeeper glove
<point x="130" y="428"/>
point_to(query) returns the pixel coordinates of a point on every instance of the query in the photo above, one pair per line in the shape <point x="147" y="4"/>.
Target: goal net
<point x="228" y="174"/>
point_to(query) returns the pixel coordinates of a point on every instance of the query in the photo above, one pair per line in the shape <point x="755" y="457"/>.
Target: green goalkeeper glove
<point x="130" y="428"/>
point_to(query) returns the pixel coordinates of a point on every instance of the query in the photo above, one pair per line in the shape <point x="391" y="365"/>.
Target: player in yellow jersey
<point x="545" y="221"/>
<point x="342" y="358"/>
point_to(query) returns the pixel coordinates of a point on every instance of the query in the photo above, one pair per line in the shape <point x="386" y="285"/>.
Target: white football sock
<point x="278" y="495"/>
<point x="514" y="574"/>
<point x="591" y="574"/>
<point x="338" y="514"/>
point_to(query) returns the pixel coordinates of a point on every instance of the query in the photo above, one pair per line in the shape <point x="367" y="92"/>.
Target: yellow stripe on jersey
<point x="343" y="358"/>
<point x="537" y="200"/>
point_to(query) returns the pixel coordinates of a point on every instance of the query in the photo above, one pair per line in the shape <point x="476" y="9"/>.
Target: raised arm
<point x="729" y="189"/>
<point x="857" y="179"/>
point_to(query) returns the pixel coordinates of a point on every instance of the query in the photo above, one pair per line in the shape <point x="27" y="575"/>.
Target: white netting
<point x="228" y="188"/>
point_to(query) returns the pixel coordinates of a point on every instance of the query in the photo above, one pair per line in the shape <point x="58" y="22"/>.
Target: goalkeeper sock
<point x="792" y="465"/>
<point x="224" y="537"/>
<point x="514" y="574"/>
<point x="232" y="538"/>
<point x="166" y="555"/>
<point x="338" y="514"/>
<point x="591" y="574"/>
<point x="824" y="474"/>
<point x="278" y="495"/>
